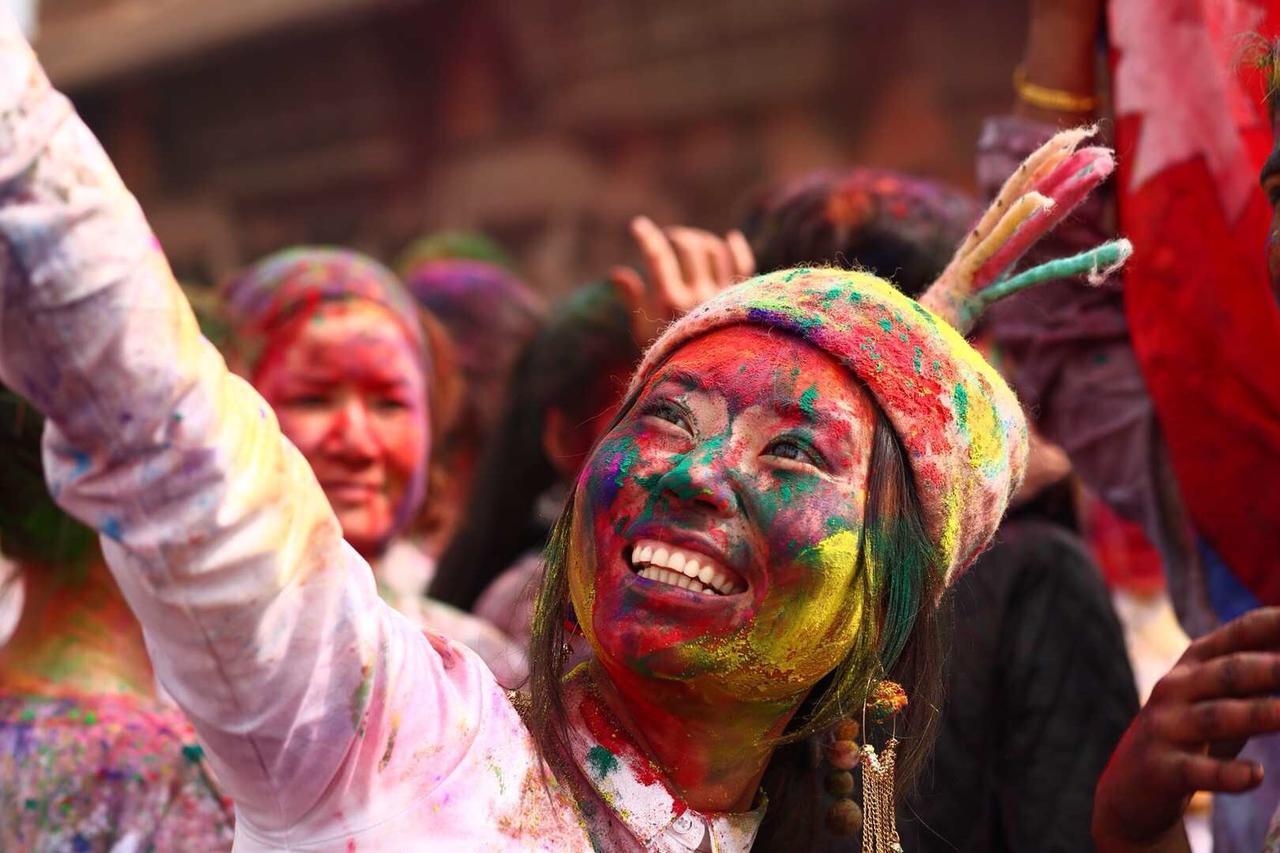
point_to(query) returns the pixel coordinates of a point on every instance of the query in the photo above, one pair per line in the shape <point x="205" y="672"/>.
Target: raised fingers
<point x="1242" y="674"/>
<point x="696" y="251"/>
<point x="1192" y="772"/>
<point x="1216" y="720"/>
<point x="1254" y="631"/>
<point x="744" y="260"/>
<point x="659" y="257"/>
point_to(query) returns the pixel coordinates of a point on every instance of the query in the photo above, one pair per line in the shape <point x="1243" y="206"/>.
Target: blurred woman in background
<point x="343" y="355"/>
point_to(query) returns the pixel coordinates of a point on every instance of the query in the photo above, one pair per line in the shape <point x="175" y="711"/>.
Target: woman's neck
<point x="76" y="636"/>
<point x="714" y="752"/>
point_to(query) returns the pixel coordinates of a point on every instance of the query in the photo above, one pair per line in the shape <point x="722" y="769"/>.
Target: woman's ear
<point x="565" y="443"/>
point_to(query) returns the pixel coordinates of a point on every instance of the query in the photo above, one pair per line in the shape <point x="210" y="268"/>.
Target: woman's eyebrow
<point x="796" y="411"/>
<point x="686" y="379"/>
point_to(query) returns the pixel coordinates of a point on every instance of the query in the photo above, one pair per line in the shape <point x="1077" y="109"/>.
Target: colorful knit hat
<point x="261" y="300"/>
<point x="962" y="427"/>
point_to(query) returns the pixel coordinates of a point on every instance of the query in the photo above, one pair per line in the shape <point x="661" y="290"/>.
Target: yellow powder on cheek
<point x="792" y="646"/>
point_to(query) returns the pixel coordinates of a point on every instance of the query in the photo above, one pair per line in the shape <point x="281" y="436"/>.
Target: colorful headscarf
<point x="486" y="309"/>
<point x="290" y="283"/>
<point x="452" y="246"/>
<point x="963" y="429"/>
<point x="490" y="315"/>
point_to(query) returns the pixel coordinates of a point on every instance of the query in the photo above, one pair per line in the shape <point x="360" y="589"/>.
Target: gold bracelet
<point x="1056" y="100"/>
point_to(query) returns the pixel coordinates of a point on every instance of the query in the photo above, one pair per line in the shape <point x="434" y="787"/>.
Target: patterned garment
<point x="105" y="773"/>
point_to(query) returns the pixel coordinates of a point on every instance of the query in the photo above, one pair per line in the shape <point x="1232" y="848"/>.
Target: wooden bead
<point x="839" y="783"/>
<point x="844" y="818"/>
<point x="843" y="755"/>
<point x="848" y="730"/>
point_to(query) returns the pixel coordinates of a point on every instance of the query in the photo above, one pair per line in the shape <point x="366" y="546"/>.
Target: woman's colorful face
<point x="717" y="525"/>
<point x="348" y="388"/>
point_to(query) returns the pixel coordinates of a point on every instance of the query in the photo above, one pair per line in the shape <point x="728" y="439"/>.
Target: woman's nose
<point x="700" y="479"/>
<point x="352" y="434"/>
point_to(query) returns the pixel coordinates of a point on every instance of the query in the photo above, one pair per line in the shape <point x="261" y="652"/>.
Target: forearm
<point x="261" y="623"/>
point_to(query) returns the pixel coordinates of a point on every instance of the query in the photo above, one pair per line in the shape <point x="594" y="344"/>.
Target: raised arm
<point x="262" y="623"/>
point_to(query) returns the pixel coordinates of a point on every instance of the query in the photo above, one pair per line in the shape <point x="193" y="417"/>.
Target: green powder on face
<point x="193" y="752"/>
<point x="807" y="400"/>
<point x="602" y="761"/>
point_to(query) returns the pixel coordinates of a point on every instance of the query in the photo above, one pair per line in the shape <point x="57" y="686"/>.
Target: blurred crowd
<point x="1106" y="656"/>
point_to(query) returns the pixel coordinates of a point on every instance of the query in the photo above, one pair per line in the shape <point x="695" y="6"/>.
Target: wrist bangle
<point x="1056" y="100"/>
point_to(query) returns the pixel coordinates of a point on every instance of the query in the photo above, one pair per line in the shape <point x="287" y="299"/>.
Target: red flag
<point x="1193" y="131"/>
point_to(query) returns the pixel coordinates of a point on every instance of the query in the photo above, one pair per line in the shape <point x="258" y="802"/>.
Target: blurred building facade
<point x="247" y="125"/>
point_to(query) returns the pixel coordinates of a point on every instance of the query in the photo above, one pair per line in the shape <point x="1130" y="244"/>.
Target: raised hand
<point x="1187" y="737"/>
<point x="684" y="266"/>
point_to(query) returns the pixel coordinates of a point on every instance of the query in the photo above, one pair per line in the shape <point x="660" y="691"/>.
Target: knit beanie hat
<point x="961" y="425"/>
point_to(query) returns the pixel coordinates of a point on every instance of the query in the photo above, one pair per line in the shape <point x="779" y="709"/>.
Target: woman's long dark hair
<point x="568" y="366"/>
<point x="897" y="568"/>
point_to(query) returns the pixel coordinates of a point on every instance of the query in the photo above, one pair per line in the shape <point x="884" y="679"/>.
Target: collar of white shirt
<point x="635" y="790"/>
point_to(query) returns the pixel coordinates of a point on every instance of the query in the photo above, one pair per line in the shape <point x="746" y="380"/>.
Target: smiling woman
<point x="782" y="434"/>
<point x="355" y="376"/>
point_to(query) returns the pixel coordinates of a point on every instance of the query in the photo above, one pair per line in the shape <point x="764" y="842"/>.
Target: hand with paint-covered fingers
<point x="1221" y="692"/>
<point x="684" y="266"/>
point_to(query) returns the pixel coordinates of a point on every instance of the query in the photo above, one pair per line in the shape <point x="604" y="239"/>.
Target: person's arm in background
<point x="262" y="623"/>
<point x="1068" y="346"/>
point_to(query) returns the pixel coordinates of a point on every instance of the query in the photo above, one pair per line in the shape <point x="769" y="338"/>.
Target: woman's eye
<point x="793" y="450"/>
<point x="390" y="404"/>
<point x="307" y="401"/>
<point x="672" y="413"/>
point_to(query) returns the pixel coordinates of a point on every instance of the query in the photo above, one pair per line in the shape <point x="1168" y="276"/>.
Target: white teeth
<point x="658" y="561"/>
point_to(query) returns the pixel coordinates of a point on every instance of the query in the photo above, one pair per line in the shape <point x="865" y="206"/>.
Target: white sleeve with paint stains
<point x="324" y="712"/>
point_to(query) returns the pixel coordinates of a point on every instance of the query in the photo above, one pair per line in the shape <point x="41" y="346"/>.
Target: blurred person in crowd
<point x="566" y="389"/>
<point x="824" y="509"/>
<point x="358" y="377"/>
<point x="1039" y="688"/>
<point x="90" y="759"/>
<point x="490" y="315"/>
<point x="1212" y="721"/>
<point x="1151" y="384"/>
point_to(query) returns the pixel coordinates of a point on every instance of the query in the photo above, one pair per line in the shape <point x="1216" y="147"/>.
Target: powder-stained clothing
<point x="1035" y="704"/>
<point x="105" y="773"/>
<point x="331" y="720"/>
<point x="403" y="574"/>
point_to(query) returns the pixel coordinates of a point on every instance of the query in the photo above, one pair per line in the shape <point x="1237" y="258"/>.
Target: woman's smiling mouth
<point x="669" y="564"/>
